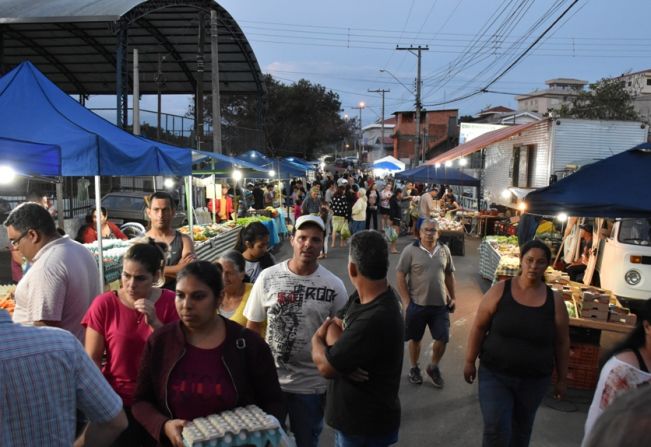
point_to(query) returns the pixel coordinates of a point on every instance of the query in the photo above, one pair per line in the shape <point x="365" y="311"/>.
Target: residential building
<point x="372" y="139"/>
<point x="439" y="132"/>
<point x="638" y="84"/>
<point x="559" y="91"/>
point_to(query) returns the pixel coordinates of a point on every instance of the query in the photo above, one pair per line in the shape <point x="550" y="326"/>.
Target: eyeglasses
<point x="429" y="230"/>
<point x="15" y="242"/>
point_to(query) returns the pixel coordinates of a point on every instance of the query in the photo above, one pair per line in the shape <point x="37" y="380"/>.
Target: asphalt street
<point x="451" y="416"/>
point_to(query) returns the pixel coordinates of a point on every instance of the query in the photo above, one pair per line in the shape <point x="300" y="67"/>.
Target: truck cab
<point x="624" y="262"/>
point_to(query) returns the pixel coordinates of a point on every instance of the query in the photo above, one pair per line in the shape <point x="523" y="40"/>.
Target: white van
<point x="624" y="262"/>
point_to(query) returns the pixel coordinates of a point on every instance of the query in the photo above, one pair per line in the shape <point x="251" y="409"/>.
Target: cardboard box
<point x="626" y="319"/>
<point x="594" y="305"/>
<point x="599" y="315"/>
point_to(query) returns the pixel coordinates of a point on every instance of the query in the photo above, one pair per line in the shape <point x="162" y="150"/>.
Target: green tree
<point x="299" y="119"/>
<point x="606" y="99"/>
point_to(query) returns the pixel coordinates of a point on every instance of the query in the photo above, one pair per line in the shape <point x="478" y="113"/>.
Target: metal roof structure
<point x="84" y="45"/>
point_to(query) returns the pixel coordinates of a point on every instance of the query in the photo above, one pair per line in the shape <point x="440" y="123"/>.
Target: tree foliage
<point x="297" y="119"/>
<point x="606" y="99"/>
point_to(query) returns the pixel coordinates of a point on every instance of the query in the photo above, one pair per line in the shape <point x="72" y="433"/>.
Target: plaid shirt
<point x="45" y="376"/>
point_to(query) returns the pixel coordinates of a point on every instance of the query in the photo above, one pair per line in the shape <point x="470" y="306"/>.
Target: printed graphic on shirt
<point x="621" y="379"/>
<point x="286" y="315"/>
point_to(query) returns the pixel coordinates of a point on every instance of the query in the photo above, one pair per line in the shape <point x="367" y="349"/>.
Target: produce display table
<point x="498" y="257"/>
<point x="113" y="251"/>
<point x="212" y="248"/>
<point x="7" y="301"/>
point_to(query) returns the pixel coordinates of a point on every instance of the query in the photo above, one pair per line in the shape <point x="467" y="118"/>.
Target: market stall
<point x="452" y="234"/>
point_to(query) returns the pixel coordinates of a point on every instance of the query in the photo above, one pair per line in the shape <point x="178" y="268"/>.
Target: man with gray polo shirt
<point x="425" y="281"/>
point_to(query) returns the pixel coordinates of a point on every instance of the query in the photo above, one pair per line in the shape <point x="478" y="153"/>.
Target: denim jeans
<point x="508" y="405"/>
<point x="305" y="417"/>
<point x="356" y="226"/>
<point x="344" y="440"/>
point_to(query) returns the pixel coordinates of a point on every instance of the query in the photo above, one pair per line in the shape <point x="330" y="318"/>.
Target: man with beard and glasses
<point x="295" y="297"/>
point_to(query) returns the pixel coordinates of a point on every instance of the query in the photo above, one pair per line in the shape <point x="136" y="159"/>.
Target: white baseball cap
<point x="309" y="218"/>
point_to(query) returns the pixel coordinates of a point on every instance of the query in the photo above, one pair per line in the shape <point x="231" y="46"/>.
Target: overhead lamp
<point x="448" y="163"/>
<point x="437" y="165"/>
<point x="522" y="206"/>
<point x="7" y="174"/>
<point x="237" y="175"/>
<point x="169" y="183"/>
<point x="506" y="194"/>
<point x="272" y="173"/>
<point x="463" y="162"/>
<point x="562" y="217"/>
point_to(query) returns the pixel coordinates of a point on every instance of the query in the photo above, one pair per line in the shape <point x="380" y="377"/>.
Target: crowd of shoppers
<point x="182" y="339"/>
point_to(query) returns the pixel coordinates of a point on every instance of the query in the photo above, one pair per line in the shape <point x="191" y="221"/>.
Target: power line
<point x="514" y="63"/>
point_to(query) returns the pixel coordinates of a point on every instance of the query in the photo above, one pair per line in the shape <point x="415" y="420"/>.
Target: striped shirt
<point x="45" y="376"/>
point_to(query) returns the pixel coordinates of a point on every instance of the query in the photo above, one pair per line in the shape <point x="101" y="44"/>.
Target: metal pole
<point x="60" y="206"/>
<point x="382" y="92"/>
<point x="136" y="93"/>
<point x="198" y="101"/>
<point x="216" y="100"/>
<point x="100" y="253"/>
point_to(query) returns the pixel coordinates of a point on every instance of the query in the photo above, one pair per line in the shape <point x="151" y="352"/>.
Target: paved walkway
<point x="451" y="416"/>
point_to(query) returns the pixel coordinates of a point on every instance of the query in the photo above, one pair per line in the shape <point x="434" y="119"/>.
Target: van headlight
<point x="632" y="277"/>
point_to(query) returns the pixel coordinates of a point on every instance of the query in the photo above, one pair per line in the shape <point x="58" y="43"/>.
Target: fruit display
<point x="449" y="225"/>
<point x="202" y="233"/>
<point x="7" y="298"/>
<point x="113" y="251"/>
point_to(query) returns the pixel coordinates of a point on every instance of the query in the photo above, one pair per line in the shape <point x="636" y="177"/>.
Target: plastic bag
<point x="390" y="233"/>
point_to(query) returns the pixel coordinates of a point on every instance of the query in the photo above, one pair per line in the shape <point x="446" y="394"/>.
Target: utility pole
<point x="382" y="92"/>
<point x="417" y="52"/>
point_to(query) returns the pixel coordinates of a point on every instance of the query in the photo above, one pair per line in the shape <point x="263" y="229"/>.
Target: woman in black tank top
<point x="520" y="333"/>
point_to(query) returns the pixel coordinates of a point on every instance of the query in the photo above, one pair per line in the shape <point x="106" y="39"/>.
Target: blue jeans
<point x="357" y="225"/>
<point x="344" y="440"/>
<point x="508" y="406"/>
<point x="305" y="417"/>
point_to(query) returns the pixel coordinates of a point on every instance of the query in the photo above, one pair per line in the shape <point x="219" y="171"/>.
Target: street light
<point x="397" y="80"/>
<point x="463" y="162"/>
<point x="7" y="175"/>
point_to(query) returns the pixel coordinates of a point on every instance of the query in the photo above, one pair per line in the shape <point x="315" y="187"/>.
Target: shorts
<point x="385" y="211"/>
<point x="338" y="224"/>
<point x="437" y="318"/>
<point x="396" y="221"/>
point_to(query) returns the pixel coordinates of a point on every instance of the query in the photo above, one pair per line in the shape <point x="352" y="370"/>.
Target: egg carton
<point x="242" y="426"/>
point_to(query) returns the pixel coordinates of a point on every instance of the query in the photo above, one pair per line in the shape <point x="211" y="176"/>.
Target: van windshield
<point x="635" y="231"/>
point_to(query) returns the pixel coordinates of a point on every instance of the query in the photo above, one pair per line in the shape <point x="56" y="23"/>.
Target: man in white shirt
<point x="295" y="297"/>
<point x="428" y="205"/>
<point x="63" y="278"/>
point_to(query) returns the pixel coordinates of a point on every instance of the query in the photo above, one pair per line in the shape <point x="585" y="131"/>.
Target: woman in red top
<point x="203" y="364"/>
<point x="88" y="232"/>
<point x="119" y="323"/>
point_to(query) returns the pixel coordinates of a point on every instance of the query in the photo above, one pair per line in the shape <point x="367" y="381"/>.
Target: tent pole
<point x="100" y="252"/>
<point x="60" y="206"/>
<point x="188" y="205"/>
<point x="214" y="193"/>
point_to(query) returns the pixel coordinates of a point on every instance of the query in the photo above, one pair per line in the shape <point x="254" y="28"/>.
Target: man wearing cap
<point x="425" y="280"/>
<point x="295" y="297"/>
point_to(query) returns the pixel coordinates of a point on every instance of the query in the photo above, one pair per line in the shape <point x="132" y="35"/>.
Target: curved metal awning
<point x="74" y="43"/>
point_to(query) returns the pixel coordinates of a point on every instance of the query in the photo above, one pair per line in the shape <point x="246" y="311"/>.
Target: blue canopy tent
<point x="35" y="110"/>
<point x="284" y="169"/>
<point x="616" y="186"/>
<point x="29" y="158"/>
<point x="441" y="175"/>
<point x="301" y="162"/>
<point x="386" y="165"/>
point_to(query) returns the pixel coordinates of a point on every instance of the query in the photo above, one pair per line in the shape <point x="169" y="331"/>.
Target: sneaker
<point x="435" y="374"/>
<point x="414" y="376"/>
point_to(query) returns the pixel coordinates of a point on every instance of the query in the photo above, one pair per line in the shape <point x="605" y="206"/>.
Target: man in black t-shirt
<point x="361" y="351"/>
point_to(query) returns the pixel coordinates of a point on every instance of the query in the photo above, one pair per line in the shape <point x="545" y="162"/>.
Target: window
<point x="648" y="81"/>
<point x="635" y="231"/>
<point x="524" y="162"/>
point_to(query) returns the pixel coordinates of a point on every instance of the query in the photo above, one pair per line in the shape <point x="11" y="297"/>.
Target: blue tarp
<point x="224" y="162"/>
<point x="33" y="109"/>
<point x="284" y="169"/>
<point x="616" y="186"/>
<point x="301" y="162"/>
<point x="441" y="176"/>
<point x="28" y="158"/>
